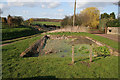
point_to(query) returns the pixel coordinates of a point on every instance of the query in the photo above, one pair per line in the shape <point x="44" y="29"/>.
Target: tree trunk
<point x="105" y="30"/>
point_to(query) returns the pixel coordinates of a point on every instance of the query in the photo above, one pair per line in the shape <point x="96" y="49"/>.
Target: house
<point x="113" y="30"/>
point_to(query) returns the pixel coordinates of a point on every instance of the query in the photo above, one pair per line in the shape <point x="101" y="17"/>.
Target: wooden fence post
<point x="72" y="54"/>
<point x="90" y="52"/>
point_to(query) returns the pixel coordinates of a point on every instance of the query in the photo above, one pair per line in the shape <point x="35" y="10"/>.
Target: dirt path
<point x="110" y="36"/>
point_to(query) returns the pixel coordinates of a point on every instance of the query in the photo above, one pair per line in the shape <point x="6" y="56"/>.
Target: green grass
<point x="47" y="23"/>
<point x="12" y="33"/>
<point x="54" y="67"/>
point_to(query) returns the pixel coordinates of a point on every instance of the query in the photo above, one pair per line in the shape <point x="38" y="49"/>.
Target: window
<point x="110" y="30"/>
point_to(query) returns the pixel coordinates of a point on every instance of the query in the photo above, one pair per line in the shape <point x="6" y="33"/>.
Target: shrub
<point x="67" y="21"/>
<point x="101" y="51"/>
<point x="113" y="23"/>
<point x="84" y="50"/>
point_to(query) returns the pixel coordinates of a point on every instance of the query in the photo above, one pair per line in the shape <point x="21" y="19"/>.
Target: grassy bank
<point x="54" y="67"/>
<point x="18" y="39"/>
<point x="12" y="33"/>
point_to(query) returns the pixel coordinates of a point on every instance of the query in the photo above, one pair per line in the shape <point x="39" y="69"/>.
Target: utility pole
<point x="74" y="15"/>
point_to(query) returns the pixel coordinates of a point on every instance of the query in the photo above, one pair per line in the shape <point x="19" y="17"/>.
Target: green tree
<point x="105" y="16"/>
<point x="113" y="23"/>
<point x="112" y="15"/>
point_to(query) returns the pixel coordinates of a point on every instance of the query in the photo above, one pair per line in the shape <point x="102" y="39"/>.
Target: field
<point x="47" y="23"/>
<point x="52" y="66"/>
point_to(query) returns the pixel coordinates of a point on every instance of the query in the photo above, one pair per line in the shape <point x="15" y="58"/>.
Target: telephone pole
<point x="74" y="14"/>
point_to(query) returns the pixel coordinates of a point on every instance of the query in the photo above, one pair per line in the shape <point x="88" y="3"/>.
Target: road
<point x="110" y="36"/>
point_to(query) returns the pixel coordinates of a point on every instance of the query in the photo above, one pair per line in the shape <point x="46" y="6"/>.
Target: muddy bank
<point x="36" y="48"/>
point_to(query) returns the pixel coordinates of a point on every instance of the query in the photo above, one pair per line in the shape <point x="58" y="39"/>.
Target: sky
<point x="52" y="9"/>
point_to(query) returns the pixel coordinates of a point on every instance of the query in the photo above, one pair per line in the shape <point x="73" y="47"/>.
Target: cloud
<point x="6" y="6"/>
<point x="17" y="4"/>
<point x="59" y="0"/>
<point x="43" y="6"/>
<point x="93" y="4"/>
<point x="60" y="10"/>
<point x="53" y="4"/>
<point x="49" y="4"/>
<point x="29" y="4"/>
<point x="99" y="5"/>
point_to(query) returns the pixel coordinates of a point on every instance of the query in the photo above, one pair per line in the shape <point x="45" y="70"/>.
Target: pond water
<point x="63" y="47"/>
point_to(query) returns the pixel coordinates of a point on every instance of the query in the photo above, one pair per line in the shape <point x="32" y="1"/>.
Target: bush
<point x="5" y="25"/>
<point x="101" y="51"/>
<point x="84" y="50"/>
<point x="68" y="20"/>
<point x="113" y="23"/>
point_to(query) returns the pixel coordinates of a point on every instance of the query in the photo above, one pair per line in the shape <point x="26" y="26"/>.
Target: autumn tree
<point x="30" y="21"/>
<point x="92" y="16"/>
<point x="87" y="17"/>
<point x="82" y="19"/>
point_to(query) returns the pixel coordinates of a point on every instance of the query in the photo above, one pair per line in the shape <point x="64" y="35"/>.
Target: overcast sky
<point x="52" y="8"/>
